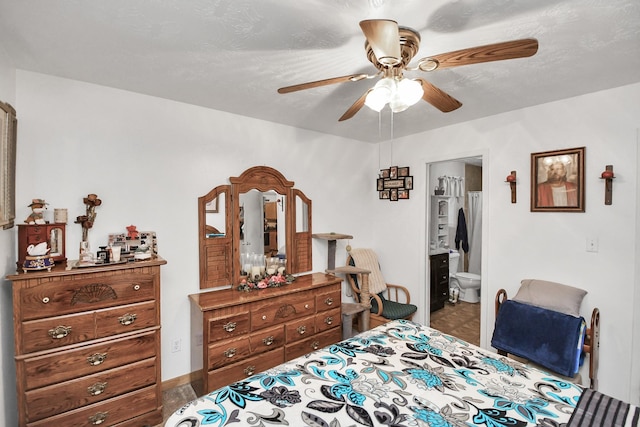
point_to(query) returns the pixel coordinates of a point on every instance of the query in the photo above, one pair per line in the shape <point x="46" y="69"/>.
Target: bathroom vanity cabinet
<point x="439" y="267"/>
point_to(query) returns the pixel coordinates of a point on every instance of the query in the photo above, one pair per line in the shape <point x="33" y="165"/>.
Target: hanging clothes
<point x="461" y="232"/>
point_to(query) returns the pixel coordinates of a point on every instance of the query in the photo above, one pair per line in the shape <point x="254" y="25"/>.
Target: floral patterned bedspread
<point x="398" y="374"/>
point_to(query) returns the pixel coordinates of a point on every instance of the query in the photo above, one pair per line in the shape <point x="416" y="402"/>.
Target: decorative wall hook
<point x="511" y="179"/>
<point x="608" y="176"/>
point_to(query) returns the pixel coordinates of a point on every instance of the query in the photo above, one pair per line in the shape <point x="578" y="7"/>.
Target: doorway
<point x="455" y="233"/>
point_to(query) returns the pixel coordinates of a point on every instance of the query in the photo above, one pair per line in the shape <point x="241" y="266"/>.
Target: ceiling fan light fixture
<point x="381" y="93"/>
<point x="410" y="91"/>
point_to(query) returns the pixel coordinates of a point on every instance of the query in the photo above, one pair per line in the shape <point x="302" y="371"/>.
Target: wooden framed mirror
<point x="258" y="213"/>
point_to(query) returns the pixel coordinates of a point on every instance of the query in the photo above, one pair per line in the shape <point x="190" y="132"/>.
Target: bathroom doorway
<point x="454" y="224"/>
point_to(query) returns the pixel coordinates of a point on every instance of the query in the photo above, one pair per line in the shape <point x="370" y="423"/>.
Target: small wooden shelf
<point x="331" y="238"/>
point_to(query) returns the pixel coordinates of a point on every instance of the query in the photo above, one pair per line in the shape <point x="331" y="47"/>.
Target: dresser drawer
<point x="329" y="300"/>
<point x="277" y="311"/>
<point x="226" y="352"/>
<point x="267" y="339"/>
<point x="72" y="296"/>
<point x="57" y="367"/>
<point x="73" y="394"/>
<point x="328" y="319"/>
<point x="313" y="343"/>
<point x="128" y="318"/>
<point x="109" y="412"/>
<point x="300" y="329"/>
<point x="225" y="327"/>
<point x="244" y="369"/>
<point x="76" y="328"/>
<point x="56" y="332"/>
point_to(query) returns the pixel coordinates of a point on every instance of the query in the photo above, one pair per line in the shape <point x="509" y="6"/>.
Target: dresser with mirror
<point x="235" y="334"/>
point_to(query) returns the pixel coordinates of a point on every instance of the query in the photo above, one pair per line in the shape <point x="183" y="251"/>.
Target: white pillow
<point x="552" y="296"/>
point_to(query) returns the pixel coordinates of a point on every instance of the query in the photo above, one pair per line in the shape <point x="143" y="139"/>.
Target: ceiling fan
<point x="390" y="48"/>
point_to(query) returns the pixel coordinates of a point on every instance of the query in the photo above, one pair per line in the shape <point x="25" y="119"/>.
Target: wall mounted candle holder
<point x="511" y="179"/>
<point x="608" y="177"/>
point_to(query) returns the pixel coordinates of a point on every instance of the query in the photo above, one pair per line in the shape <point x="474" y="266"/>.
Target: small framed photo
<point x="408" y="183"/>
<point x="393" y="172"/>
<point x="403" y="194"/>
<point x="380" y="184"/>
<point x="384" y="173"/>
<point x="393" y="194"/>
<point x="384" y="194"/>
<point x="557" y="180"/>
<point x="212" y="206"/>
<point x="403" y="171"/>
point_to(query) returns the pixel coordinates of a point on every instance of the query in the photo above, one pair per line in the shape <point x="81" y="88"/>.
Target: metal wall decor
<point x="394" y="183"/>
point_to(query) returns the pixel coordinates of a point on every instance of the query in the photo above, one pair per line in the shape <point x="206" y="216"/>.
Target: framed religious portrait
<point x="557" y="181"/>
<point x="8" y="136"/>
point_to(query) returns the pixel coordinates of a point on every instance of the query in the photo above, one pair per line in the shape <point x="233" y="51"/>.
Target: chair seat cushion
<point x="393" y="310"/>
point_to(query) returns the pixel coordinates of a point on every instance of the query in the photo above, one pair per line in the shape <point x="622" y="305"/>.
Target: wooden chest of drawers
<point x="87" y="345"/>
<point x="236" y="334"/>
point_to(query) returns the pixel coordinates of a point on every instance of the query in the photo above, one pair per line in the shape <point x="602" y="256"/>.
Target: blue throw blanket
<point x="546" y="337"/>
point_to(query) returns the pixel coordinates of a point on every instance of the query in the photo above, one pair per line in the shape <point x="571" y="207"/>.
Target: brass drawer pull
<point x="97" y="359"/>
<point x="45" y="300"/>
<point x="329" y="301"/>
<point x="249" y="370"/>
<point x="268" y="340"/>
<point x="59" y="332"/>
<point x="315" y="345"/>
<point x="302" y="329"/>
<point x="136" y="287"/>
<point x="328" y="320"/>
<point x="230" y="326"/>
<point x="264" y="317"/>
<point x="306" y="306"/>
<point x="98" y="418"/>
<point x="230" y="353"/>
<point x="96" y="389"/>
<point x="127" y="319"/>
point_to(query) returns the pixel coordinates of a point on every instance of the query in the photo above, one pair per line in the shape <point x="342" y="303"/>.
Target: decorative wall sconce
<point x="511" y="179"/>
<point x="608" y="176"/>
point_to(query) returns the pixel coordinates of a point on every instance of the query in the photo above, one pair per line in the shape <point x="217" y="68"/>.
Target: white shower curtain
<point x="474" y="231"/>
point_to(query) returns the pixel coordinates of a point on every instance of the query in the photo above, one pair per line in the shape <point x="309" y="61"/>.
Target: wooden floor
<point x="461" y="319"/>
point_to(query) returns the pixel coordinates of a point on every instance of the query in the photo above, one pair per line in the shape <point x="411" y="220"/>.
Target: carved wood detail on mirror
<point x="258" y="213"/>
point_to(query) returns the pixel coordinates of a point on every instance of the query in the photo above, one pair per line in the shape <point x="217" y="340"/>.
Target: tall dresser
<point x="236" y="334"/>
<point x="87" y="345"/>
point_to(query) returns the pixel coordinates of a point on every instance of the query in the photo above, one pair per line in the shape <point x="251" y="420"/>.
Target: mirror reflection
<point x="262" y="223"/>
<point x="215" y="217"/>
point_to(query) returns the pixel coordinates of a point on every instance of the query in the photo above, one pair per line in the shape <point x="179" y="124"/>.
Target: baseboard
<point x="181" y="380"/>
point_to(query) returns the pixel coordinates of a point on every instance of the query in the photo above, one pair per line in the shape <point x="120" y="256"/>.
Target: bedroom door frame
<point x="484" y="297"/>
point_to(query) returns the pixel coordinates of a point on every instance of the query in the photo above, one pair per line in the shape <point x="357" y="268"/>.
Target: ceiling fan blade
<point x="355" y="107"/>
<point x="438" y="98"/>
<point x="476" y="55"/>
<point x="384" y="38"/>
<point x="325" y="82"/>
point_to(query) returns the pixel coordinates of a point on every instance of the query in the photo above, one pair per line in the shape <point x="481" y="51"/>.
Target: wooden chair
<point x="392" y="303"/>
<point x="591" y="346"/>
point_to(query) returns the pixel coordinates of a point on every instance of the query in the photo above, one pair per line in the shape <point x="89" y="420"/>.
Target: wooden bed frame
<point x="591" y="344"/>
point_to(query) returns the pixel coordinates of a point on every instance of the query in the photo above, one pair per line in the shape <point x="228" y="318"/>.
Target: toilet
<point x="467" y="283"/>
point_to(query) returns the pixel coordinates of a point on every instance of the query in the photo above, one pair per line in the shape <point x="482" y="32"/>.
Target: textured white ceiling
<point x="233" y="55"/>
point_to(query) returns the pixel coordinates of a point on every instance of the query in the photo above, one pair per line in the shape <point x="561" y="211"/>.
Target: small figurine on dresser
<point x="37" y="212"/>
<point x="38" y="258"/>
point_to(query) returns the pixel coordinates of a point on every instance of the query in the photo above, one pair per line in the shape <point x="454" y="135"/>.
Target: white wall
<point x="149" y="159"/>
<point x="519" y="244"/>
<point x="7" y="265"/>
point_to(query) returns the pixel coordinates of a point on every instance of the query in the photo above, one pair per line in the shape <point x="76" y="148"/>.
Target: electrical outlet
<point x="592" y="244"/>
<point x="176" y="345"/>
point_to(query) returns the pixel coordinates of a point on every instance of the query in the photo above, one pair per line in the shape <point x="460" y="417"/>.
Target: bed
<point x="398" y="374"/>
